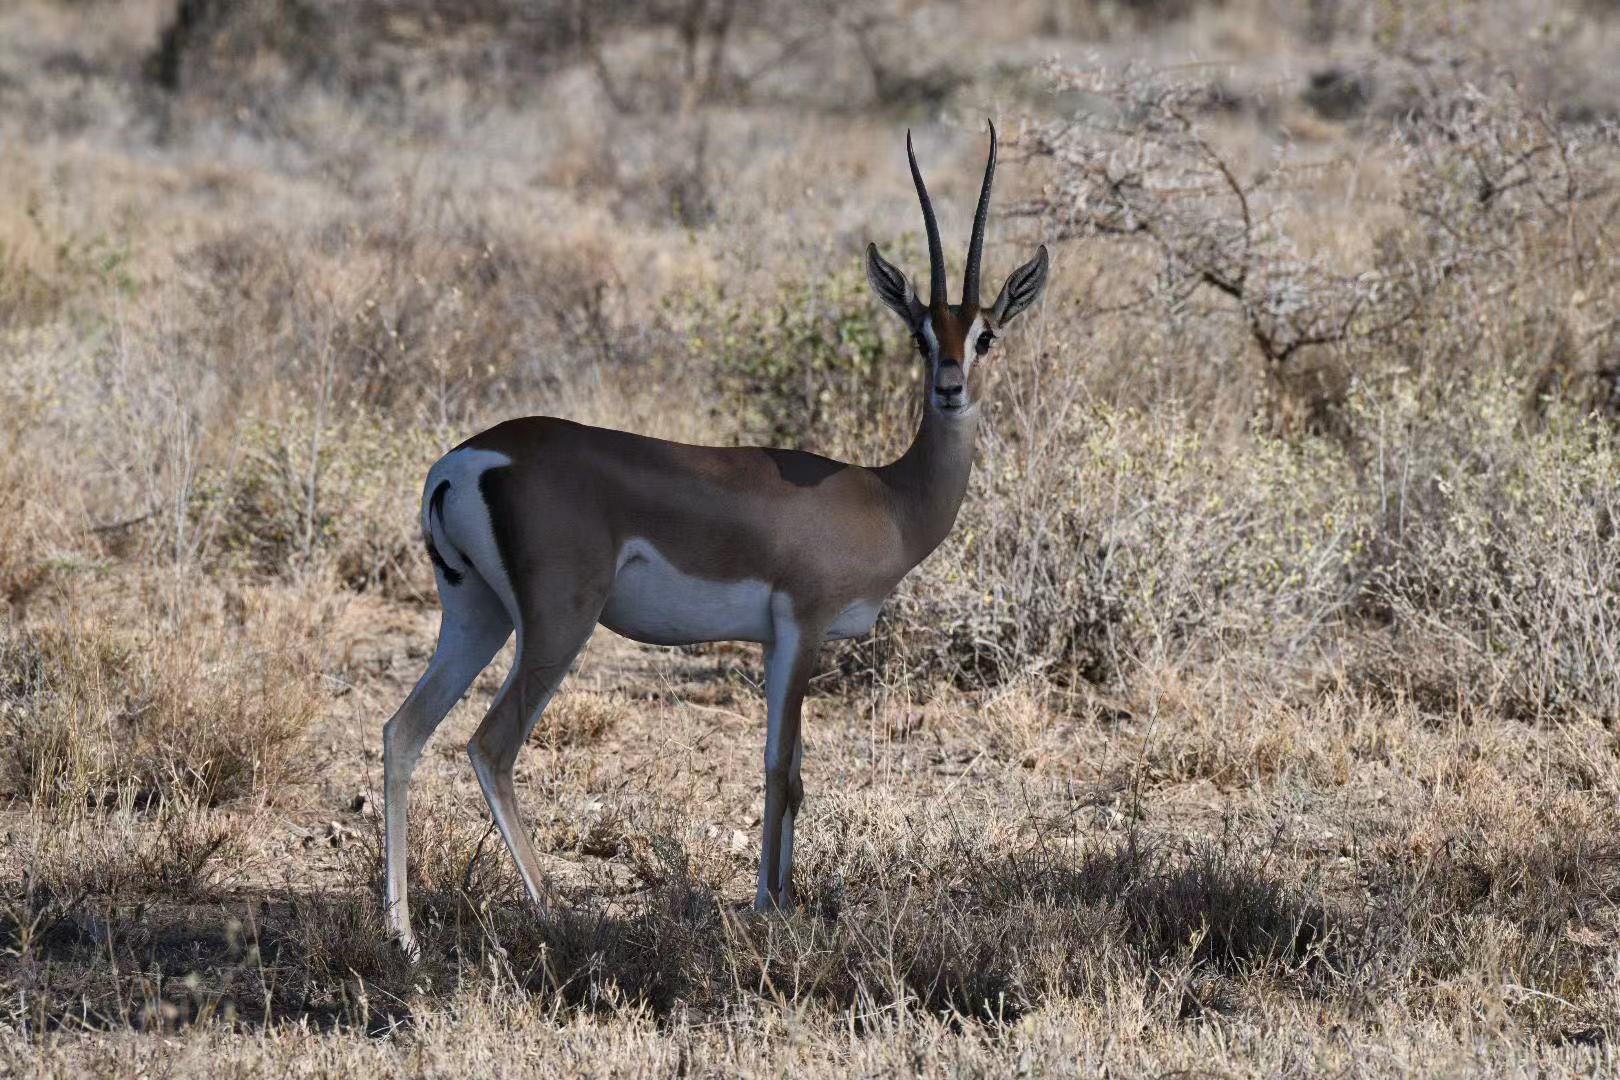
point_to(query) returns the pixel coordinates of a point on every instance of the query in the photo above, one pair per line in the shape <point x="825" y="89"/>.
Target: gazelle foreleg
<point x="790" y="659"/>
<point x="473" y="628"/>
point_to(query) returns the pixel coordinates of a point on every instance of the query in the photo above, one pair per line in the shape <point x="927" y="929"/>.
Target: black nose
<point x="948" y="382"/>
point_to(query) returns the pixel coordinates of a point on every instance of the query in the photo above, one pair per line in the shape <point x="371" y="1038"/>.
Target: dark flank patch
<point x="436" y="509"/>
<point x="804" y="470"/>
<point x="495" y="486"/>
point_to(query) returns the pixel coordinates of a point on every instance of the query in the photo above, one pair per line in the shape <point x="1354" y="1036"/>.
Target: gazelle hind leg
<point x="472" y="629"/>
<point x="547" y="646"/>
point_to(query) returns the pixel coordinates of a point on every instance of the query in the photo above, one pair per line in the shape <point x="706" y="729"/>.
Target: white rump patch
<point x="470" y="539"/>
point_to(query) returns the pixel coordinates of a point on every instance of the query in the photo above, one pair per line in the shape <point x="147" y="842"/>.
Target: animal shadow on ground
<point x="973" y="939"/>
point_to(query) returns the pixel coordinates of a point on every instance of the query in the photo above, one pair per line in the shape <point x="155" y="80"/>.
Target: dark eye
<point x="982" y="346"/>
<point x="922" y="343"/>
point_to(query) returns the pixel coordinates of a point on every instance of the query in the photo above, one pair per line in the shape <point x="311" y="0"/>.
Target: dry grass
<point x="1257" y="718"/>
<point x="194" y="710"/>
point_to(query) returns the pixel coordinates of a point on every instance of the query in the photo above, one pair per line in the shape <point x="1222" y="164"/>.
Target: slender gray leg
<point x="795" y="797"/>
<point x="789" y="661"/>
<point x="473" y="628"/>
<point x="547" y="644"/>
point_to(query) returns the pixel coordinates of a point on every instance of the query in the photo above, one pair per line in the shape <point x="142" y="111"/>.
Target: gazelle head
<point x="954" y="339"/>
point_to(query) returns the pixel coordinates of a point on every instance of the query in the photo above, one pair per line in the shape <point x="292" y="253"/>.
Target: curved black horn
<point x="936" y="253"/>
<point x="970" y="278"/>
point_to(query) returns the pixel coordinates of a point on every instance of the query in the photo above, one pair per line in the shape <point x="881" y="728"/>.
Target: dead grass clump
<point x="949" y="919"/>
<point x="474" y="919"/>
<point x="458" y="869"/>
<point x="101" y="715"/>
<point x="1532" y="911"/>
<point x="177" y="849"/>
<point x="1217" y="906"/>
<point x="581" y="718"/>
<point x="1120" y="539"/>
<point x="661" y="956"/>
<point x="980" y="936"/>
<point x="1498" y="562"/>
<point x="81" y="890"/>
<point x="335" y="954"/>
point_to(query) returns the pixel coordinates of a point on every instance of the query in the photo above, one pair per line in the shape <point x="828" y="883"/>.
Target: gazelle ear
<point x="893" y="288"/>
<point x="1023" y="287"/>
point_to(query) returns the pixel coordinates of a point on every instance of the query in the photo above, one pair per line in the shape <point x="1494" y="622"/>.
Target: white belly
<point x="855" y="620"/>
<point x="652" y="601"/>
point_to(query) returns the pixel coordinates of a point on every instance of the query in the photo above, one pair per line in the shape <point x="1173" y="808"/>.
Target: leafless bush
<point x="290" y="505"/>
<point x="1483" y="178"/>
<point x="720" y="50"/>
<point x="374" y="50"/>
<point x="1143" y="166"/>
<point x="418" y="311"/>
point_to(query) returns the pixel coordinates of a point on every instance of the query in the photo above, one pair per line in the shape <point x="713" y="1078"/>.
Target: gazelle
<point x="551" y="527"/>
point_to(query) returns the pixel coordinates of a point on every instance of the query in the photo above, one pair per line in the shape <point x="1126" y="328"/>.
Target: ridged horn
<point x="936" y="253"/>
<point x="970" y="278"/>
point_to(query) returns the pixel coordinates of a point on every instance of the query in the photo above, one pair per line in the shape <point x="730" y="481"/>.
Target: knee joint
<point x="398" y="746"/>
<point x="481" y="755"/>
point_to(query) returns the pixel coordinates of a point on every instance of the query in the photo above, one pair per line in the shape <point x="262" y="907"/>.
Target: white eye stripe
<point x="970" y="352"/>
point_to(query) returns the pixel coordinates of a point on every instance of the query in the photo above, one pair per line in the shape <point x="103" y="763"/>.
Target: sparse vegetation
<point x="1258" y="717"/>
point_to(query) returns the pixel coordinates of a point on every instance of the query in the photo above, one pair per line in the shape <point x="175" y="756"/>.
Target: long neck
<point x="927" y="482"/>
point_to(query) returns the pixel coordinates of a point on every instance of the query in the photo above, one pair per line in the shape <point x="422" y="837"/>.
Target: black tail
<point x="436" y="510"/>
